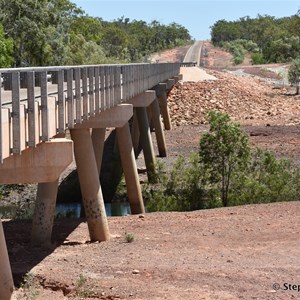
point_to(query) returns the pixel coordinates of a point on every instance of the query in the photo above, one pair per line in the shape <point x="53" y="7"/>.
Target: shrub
<point x="257" y="59"/>
<point x="267" y="179"/>
<point x="129" y="237"/>
<point x="224" y="172"/>
<point x="239" y="48"/>
<point x="294" y="74"/>
<point x="224" y="150"/>
<point x="179" y="190"/>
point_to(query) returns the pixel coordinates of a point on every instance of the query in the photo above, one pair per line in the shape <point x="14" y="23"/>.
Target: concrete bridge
<point x="40" y="105"/>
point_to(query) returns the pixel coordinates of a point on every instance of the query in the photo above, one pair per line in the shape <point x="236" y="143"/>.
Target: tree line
<point x="272" y="40"/>
<point x="57" y="32"/>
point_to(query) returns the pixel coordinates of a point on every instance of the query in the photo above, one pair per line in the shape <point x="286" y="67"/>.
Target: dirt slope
<point x="229" y="253"/>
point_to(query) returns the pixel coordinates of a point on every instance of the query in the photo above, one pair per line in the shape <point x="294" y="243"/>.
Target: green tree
<point x="277" y="39"/>
<point x="224" y="31"/>
<point x="294" y="74"/>
<point x="115" y="42"/>
<point x="46" y="32"/>
<point x="90" y="28"/>
<point x="224" y="150"/>
<point x="84" y="52"/>
<point x="36" y="28"/>
<point x="6" y="50"/>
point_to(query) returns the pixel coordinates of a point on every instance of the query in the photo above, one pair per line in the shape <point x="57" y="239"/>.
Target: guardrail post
<point x="6" y="279"/>
<point x="16" y="119"/>
<point x="90" y="185"/>
<point x="44" y="106"/>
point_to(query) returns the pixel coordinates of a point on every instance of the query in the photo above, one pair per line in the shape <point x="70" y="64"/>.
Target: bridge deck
<point x="34" y="109"/>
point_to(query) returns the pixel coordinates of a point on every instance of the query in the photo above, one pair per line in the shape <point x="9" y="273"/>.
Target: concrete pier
<point x="161" y="92"/>
<point x="44" y="213"/>
<point x="130" y="170"/>
<point x="135" y="133"/>
<point x="6" y="280"/>
<point x="98" y="137"/>
<point x="158" y="128"/>
<point x="146" y="141"/>
<point x="90" y="185"/>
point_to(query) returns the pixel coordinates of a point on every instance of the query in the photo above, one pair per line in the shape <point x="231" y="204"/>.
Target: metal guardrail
<point x="37" y="103"/>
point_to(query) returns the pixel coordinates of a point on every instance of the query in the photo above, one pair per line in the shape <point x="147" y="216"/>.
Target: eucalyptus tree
<point x="38" y="28"/>
<point x="6" y="50"/>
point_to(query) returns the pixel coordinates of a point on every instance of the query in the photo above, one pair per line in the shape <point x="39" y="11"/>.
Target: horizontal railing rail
<point x="38" y="103"/>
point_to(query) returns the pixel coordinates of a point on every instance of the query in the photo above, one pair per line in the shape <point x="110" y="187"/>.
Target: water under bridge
<point x="40" y="105"/>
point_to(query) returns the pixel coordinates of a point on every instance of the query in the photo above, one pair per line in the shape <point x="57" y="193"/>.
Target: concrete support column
<point x="130" y="170"/>
<point x="150" y="118"/>
<point x="44" y="213"/>
<point x="6" y="279"/>
<point x="146" y="141"/>
<point x="165" y="110"/>
<point x="90" y="185"/>
<point x="135" y="133"/>
<point x="159" y="132"/>
<point x="98" y="137"/>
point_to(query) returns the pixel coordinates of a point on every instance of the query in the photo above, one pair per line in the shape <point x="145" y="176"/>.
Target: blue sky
<point x="196" y="15"/>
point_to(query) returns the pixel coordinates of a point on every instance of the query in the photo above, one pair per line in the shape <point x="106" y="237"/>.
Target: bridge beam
<point x="6" y="279"/>
<point x="43" y="163"/>
<point x="114" y="117"/>
<point x="90" y="184"/>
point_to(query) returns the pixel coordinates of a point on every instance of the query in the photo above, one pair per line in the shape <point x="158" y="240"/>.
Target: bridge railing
<point x="38" y="103"/>
<point x="189" y="64"/>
